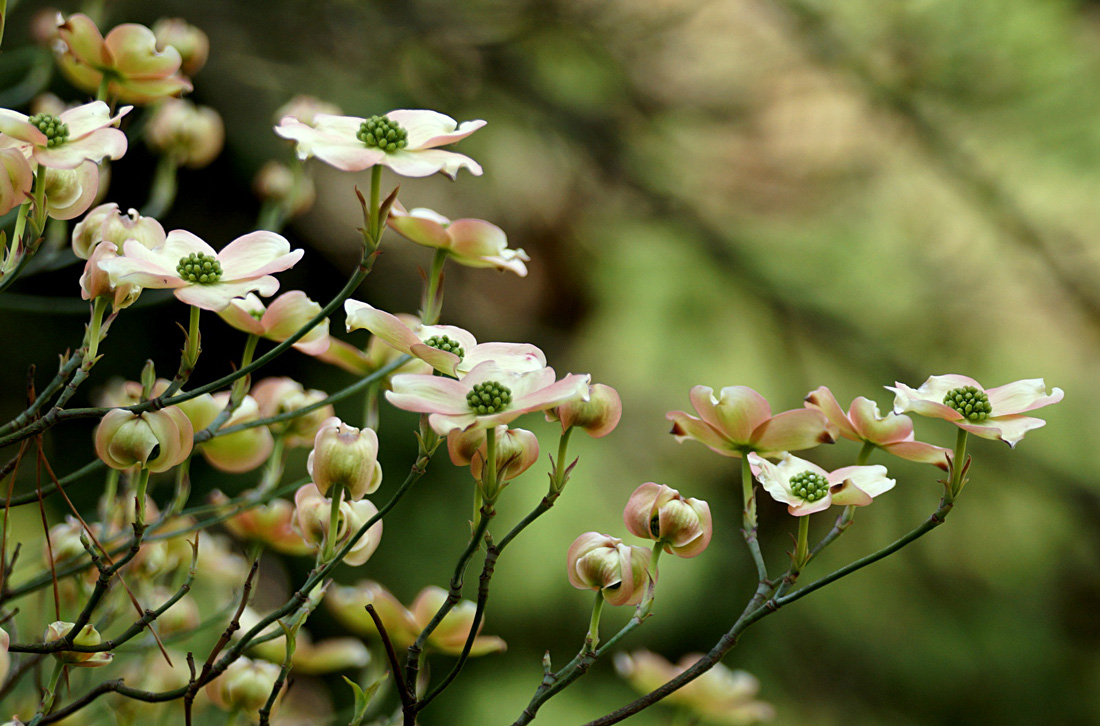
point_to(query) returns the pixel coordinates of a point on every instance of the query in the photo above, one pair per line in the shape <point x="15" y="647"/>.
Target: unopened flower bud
<point x="304" y="108"/>
<point x="270" y="523"/>
<point x="516" y="451"/>
<point x="192" y="43"/>
<point x="47" y="103"/>
<point x="276" y="183"/>
<point x="237" y="452"/>
<point x="16" y="178"/>
<point x="600" y="562"/>
<point x="345" y="455"/>
<point x="245" y="685"/>
<point x="598" y="416"/>
<point x="658" y="512"/>
<point x="106" y="223"/>
<point x="154" y="440"/>
<point x="95" y="282"/>
<point x="312" y="514"/>
<point x="276" y="396"/>
<point x="88" y="635"/>
<point x="192" y="135"/>
<point x="65" y="541"/>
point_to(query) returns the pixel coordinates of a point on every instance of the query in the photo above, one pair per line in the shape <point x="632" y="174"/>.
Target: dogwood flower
<point x="106" y="223"/>
<point x="719" y="696"/>
<point x="739" y="420"/>
<point x="995" y="413"/>
<point x="278" y="321"/>
<point x="95" y="281"/>
<point x="191" y="135"/>
<point x="69" y="192"/>
<point x="469" y="242"/>
<point x="65" y="141"/>
<point x="807" y="488"/>
<point x="448" y="349"/>
<point x="405" y="140"/>
<point x="270" y="523"/>
<point x="600" y="562"/>
<point x="658" y="512"/>
<point x="128" y="59"/>
<point x="312" y="511"/>
<point x="489" y="395"/>
<point x="200" y="276"/>
<point x="404" y="625"/>
<point x="892" y="433"/>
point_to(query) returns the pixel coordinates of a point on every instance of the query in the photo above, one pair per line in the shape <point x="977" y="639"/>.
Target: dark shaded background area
<point x="780" y="194"/>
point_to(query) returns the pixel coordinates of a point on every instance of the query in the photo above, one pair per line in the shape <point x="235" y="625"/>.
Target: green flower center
<point x="971" y="402"/>
<point x="381" y="133"/>
<point x="809" y="486"/>
<point x="56" y="131"/>
<point x="443" y="342"/>
<point x="489" y="397"/>
<point x="200" y="268"/>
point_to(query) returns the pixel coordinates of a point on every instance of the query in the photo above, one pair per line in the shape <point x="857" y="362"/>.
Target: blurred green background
<point x="773" y="193"/>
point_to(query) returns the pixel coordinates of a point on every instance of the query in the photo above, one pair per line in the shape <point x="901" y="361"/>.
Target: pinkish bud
<point x="47" y="103"/>
<point x="192" y="135"/>
<point x="237" y="452"/>
<point x="95" y="282"/>
<point x="599" y="562"/>
<point x="516" y="451"/>
<point x="276" y="183"/>
<point x="345" y="455"/>
<point x="277" y="396"/>
<point x="658" y="512"/>
<point x="192" y="43"/>
<point x="245" y="685"/>
<point x="69" y="192"/>
<point x="312" y="513"/>
<point x="598" y="416"/>
<point x="304" y="108"/>
<point x="105" y="223"/>
<point x="87" y="636"/>
<point x="270" y="523"/>
<point x="15" y="179"/>
<point x="154" y="440"/>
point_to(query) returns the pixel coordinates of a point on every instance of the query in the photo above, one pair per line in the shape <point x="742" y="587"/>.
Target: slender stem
<point x="142" y="486"/>
<point x="802" y="548"/>
<point x="865" y="453"/>
<point x="593" y="638"/>
<point x="194" y="345"/>
<point x="489" y="475"/>
<point x="110" y="490"/>
<point x="333" y="522"/>
<point x="163" y="194"/>
<point x="273" y="471"/>
<point x="15" y="251"/>
<point x="51" y="688"/>
<point x="558" y="478"/>
<point x="375" y="197"/>
<point x="104" y="84"/>
<point x="748" y="530"/>
<point x="958" y="466"/>
<point x="433" y="296"/>
<point x="94" y="330"/>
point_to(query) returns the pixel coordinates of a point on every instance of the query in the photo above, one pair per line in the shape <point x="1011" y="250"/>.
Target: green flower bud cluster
<point x="489" y="397"/>
<point x="380" y="132"/>
<point x="56" y="131"/>
<point x="199" y="267"/>
<point x="445" y="343"/>
<point x="971" y="402"/>
<point x="809" y="486"/>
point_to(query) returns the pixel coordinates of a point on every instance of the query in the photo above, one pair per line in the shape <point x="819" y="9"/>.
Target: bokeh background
<point x="773" y="193"/>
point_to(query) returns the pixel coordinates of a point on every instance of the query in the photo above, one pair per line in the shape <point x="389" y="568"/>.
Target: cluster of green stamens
<point x="199" y="267"/>
<point x="971" y="402"/>
<point x="54" y="128"/>
<point x="443" y="342"/>
<point x="489" y="397"/>
<point x="379" y="132"/>
<point x="809" y="486"/>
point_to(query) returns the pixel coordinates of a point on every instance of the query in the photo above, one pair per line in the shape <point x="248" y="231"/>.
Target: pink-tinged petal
<point x="516" y="357"/>
<point x="90" y="117"/>
<point x="428" y="129"/>
<point x="84" y="39"/>
<point x="464" y="338"/>
<point x="444" y="424"/>
<point x="349" y="358"/>
<point x="181" y="243"/>
<point x="429" y="394"/>
<point x="1022" y="396"/>
<point x="1009" y="429"/>
<point x="217" y="297"/>
<point x="337" y="126"/>
<point x="427" y="162"/>
<point x="572" y="387"/>
<point x="388" y="327"/>
<point x="790" y="465"/>
<point x="80" y="75"/>
<point x="773" y="479"/>
<point x="871" y="426"/>
<point x="135" y="90"/>
<point x="919" y="452"/>
<point x="737" y="410"/>
<point x="256" y="254"/>
<point x="142" y="267"/>
<point x="96" y="146"/>
<point x="16" y="125"/>
<point x="824" y="400"/>
<point x="793" y="431"/>
<point x="476" y="238"/>
<point x="848" y="494"/>
<point x="686" y="427"/>
<point x="441" y="360"/>
<point x="288" y="314"/>
<point x="485" y="644"/>
<point x="240" y="313"/>
<point x="804" y="508"/>
<point x="83" y="185"/>
<point x="133" y="49"/>
<point x="869" y="480"/>
<point x="418" y="226"/>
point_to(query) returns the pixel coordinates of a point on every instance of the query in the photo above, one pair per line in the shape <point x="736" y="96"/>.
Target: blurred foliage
<point x="773" y="193"/>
